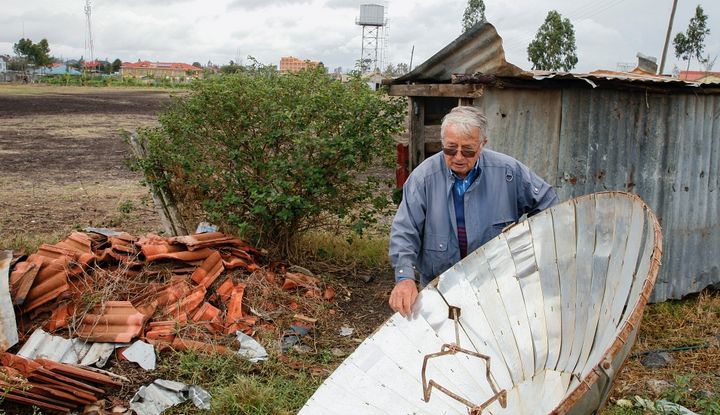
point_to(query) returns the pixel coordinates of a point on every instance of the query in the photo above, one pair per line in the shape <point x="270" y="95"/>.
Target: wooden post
<point x="417" y="131"/>
<point x="162" y="198"/>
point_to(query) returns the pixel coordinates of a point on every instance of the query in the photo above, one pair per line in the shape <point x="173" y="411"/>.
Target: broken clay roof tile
<point x="209" y="270"/>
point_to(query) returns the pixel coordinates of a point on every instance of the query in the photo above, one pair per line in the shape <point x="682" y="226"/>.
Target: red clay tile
<point x="115" y="321"/>
<point x="60" y="316"/>
<point x="162" y="331"/>
<point x="173" y="293"/>
<point x="123" y="245"/>
<point x="244" y="324"/>
<point x="224" y="290"/>
<point x="156" y="252"/>
<point x="50" y="281"/>
<point x="52" y="252"/>
<point x="207" y="312"/>
<point x="313" y="293"/>
<point x="78" y="372"/>
<point x="234" y="306"/>
<point x="186" y="344"/>
<point x="294" y="280"/>
<point x="210" y="316"/>
<point x="232" y="262"/>
<point x="23" y="277"/>
<point x="210" y="269"/>
<point x="187" y="304"/>
<point x="329" y="293"/>
<point x="12" y="392"/>
<point x="206" y="240"/>
<point x="81" y="245"/>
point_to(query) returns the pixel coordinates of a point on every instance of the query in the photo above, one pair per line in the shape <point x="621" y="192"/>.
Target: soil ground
<point x="63" y="167"/>
<point x="62" y="158"/>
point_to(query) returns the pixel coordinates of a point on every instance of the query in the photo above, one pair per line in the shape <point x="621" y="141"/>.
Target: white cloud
<point x="607" y="31"/>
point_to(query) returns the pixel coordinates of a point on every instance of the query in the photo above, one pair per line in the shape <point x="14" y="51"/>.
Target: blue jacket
<point x="423" y="236"/>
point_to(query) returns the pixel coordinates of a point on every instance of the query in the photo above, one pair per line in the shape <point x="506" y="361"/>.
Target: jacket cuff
<point x="404" y="273"/>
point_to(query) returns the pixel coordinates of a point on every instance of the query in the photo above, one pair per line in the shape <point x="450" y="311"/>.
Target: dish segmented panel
<point x="546" y="303"/>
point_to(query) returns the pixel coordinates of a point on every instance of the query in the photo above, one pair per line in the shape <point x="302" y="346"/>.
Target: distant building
<point x="700" y="76"/>
<point x="60" y="69"/>
<point x="168" y="70"/>
<point x="96" y="65"/>
<point x="293" y="64"/>
<point x="4" y="60"/>
<point x="373" y="80"/>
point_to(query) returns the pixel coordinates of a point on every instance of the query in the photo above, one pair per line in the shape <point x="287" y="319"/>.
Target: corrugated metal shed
<point x="658" y="137"/>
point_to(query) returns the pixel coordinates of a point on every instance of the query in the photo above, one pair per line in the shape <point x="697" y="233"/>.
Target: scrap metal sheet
<point x="537" y="300"/>
<point x="8" y="326"/>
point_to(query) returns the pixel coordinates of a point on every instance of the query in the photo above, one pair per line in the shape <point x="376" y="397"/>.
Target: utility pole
<point x="667" y="38"/>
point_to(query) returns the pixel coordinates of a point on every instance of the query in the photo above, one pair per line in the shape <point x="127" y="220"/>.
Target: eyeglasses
<point x="452" y="151"/>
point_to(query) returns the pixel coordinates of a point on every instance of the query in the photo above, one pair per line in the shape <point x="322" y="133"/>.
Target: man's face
<point x="460" y="141"/>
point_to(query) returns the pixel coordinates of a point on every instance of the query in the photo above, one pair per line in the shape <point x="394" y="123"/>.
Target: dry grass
<point x="694" y="375"/>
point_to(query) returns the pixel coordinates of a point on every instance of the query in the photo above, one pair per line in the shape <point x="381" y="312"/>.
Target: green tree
<point x="197" y="64"/>
<point x="396" y="71"/>
<point x="37" y="54"/>
<point x="474" y="13"/>
<point x="116" y="65"/>
<point x="270" y="155"/>
<point x="691" y="44"/>
<point x="553" y="48"/>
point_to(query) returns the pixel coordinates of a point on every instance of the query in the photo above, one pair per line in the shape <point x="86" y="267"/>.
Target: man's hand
<point x="403" y="297"/>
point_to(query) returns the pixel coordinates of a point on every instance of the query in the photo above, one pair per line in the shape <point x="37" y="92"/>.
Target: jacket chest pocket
<point x="435" y="252"/>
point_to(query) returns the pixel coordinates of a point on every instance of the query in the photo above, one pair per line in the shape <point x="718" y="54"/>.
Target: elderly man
<point x="455" y="201"/>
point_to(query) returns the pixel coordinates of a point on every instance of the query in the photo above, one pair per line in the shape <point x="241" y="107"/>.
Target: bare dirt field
<point x="62" y="158"/>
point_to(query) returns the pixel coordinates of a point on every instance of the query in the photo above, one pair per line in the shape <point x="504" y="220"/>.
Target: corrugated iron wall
<point x="664" y="147"/>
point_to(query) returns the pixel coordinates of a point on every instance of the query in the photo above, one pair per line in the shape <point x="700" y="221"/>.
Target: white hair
<point x="465" y="119"/>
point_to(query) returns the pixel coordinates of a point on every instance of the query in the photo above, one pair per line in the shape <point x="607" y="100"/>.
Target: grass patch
<point x="29" y="242"/>
<point x="340" y="253"/>
<point x="620" y="410"/>
<point x="239" y="387"/>
<point x="693" y="375"/>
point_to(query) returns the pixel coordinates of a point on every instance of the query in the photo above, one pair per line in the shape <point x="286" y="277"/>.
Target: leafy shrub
<point x="271" y="155"/>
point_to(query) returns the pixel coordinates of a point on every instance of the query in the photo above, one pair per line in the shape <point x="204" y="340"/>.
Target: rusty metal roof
<point x="477" y="50"/>
<point x="480" y="51"/>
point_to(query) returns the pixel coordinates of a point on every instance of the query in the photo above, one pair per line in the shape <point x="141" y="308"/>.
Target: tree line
<point x="554" y="49"/>
<point x="37" y="55"/>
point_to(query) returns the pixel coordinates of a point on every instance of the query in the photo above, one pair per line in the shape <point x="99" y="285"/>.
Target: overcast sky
<point x="608" y="32"/>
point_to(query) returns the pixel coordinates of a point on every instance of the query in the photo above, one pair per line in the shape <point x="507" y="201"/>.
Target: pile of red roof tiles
<point x="115" y="287"/>
<point x="50" y="385"/>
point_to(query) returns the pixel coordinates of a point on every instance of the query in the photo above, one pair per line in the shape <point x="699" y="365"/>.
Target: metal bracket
<point x="451" y="349"/>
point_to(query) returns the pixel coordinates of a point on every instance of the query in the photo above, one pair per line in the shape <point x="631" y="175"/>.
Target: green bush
<point x="271" y="155"/>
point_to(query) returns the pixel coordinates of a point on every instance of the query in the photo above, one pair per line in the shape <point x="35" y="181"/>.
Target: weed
<point x="126" y="207"/>
<point x="621" y="410"/>
<point x="681" y="390"/>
